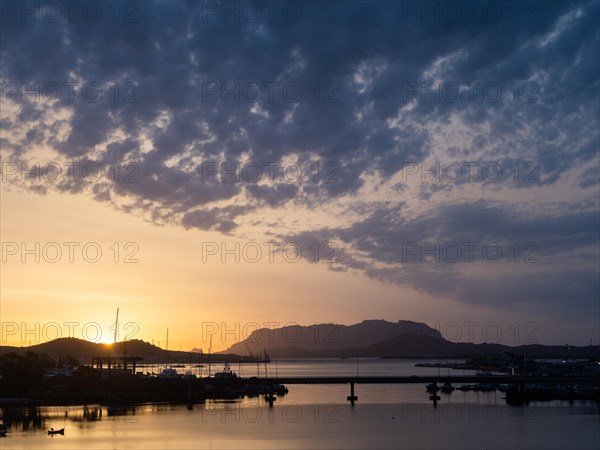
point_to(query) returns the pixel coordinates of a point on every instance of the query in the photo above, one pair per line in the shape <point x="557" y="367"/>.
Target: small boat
<point x="52" y="431"/>
<point x="278" y="389"/>
<point x="484" y="387"/>
<point x="168" y="373"/>
<point x="431" y="387"/>
<point x="447" y="388"/>
<point x="226" y="374"/>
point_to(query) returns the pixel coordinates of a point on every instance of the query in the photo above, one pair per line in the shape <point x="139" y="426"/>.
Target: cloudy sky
<point x="198" y="163"/>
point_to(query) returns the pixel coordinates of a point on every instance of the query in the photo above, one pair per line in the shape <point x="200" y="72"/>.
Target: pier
<point x="424" y="379"/>
<point x="517" y="381"/>
<point x="132" y="389"/>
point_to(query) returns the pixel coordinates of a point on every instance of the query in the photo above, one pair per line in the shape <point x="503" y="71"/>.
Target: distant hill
<point x="414" y="346"/>
<point x="77" y="348"/>
<point x="382" y="339"/>
<point x="370" y="338"/>
<point x="83" y="351"/>
<point x="323" y="337"/>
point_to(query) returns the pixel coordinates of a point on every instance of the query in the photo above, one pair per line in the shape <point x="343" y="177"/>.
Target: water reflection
<point x="291" y="424"/>
<point x="386" y="416"/>
<point x="22" y="419"/>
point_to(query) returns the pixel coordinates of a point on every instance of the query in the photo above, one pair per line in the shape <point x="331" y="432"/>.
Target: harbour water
<point x="317" y="416"/>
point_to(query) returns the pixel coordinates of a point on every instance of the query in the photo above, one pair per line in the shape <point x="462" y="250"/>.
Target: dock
<point x="134" y="389"/>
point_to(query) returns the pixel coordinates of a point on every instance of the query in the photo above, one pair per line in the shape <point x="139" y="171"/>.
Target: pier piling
<point x="270" y="398"/>
<point x="352" y="398"/>
<point x="435" y="397"/>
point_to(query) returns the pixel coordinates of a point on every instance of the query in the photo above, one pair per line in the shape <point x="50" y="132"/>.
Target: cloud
<point x="350" y="101"/>
<point x="521" y="257"/>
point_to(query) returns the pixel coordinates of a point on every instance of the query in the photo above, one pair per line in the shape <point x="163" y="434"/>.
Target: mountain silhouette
<point x="383" y="339"/>
<point x="370" y="338"/>
<point x="83" y="351"/>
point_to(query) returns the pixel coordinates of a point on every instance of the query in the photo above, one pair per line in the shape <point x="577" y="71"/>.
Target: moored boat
<point x="447" y="388"/>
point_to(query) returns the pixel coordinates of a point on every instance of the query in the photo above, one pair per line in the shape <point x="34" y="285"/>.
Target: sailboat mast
<point x="265" y="352"/>
<point x="209" y="354"/>
<point x="167" y="350"/>
<point x="117" y="326"/>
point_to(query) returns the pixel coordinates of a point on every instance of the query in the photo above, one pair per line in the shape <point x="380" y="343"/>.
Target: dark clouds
<point x="528" y="262"/>
<point x="358" y="110"/>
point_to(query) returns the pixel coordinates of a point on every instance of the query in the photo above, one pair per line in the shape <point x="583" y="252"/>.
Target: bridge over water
<point x="424" y="379"/>
<point x="518" y="381"/>
<point x="122" y="387"/>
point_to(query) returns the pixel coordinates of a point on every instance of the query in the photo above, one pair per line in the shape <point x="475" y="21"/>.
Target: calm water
<point x="385" y="416"/>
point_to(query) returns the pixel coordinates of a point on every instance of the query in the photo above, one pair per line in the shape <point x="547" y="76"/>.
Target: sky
<point x="210" y="168"/>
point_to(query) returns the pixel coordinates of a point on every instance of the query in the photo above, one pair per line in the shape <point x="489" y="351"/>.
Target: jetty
<point x="133" y="389"/>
